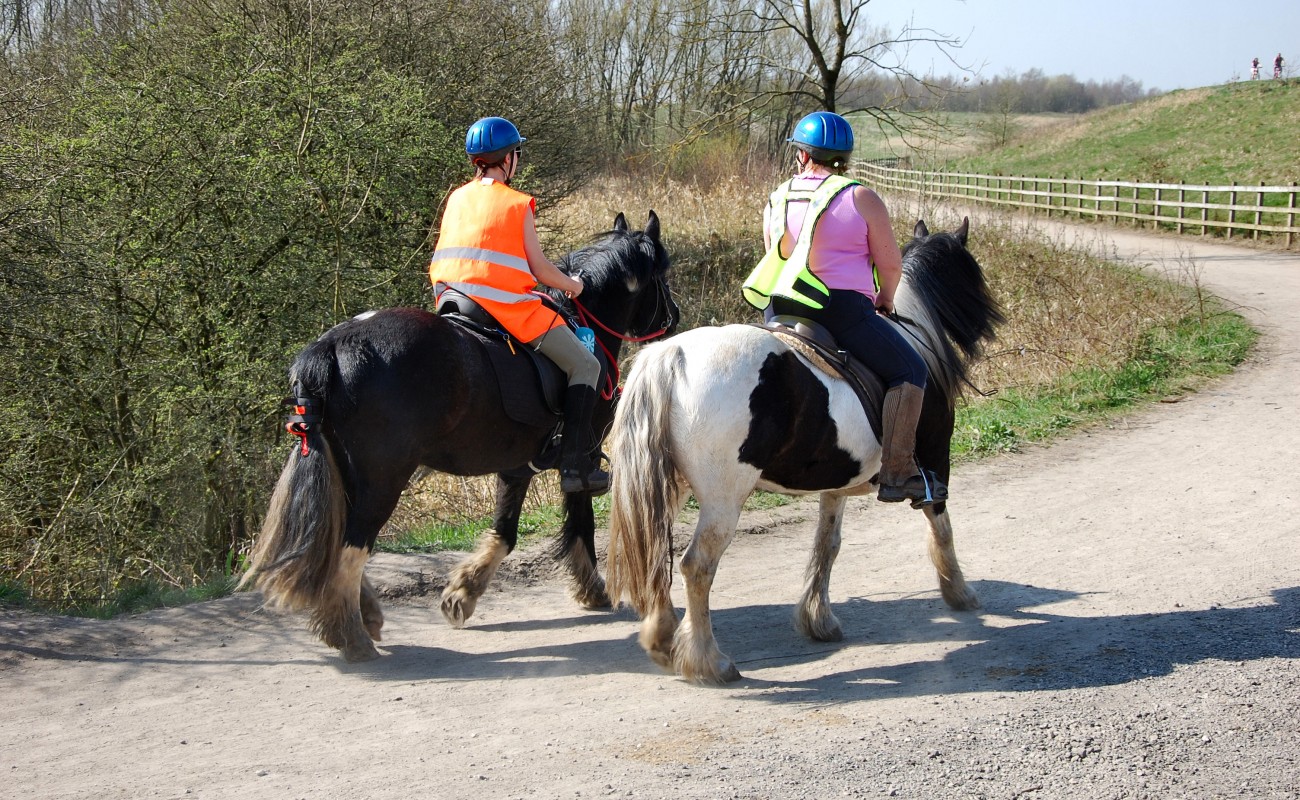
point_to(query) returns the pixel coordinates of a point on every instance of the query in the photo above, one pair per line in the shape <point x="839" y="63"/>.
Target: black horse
<point x="385" y="393"/>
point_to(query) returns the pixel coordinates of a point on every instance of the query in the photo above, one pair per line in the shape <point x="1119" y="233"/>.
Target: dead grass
<point x="1066" y="310"/>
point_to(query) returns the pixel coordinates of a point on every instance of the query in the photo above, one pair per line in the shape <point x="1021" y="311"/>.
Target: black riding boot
<point x="579" y="471"/>
<point x="900" y="479"/>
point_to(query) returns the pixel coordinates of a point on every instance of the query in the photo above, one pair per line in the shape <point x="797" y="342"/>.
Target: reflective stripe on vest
<point x="791" y="277"/>
<point x="479" y="292"/>
<point x="483" y="254"/>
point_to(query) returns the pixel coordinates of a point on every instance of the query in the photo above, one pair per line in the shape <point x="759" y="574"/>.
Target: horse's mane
<point x="945" y="292"/>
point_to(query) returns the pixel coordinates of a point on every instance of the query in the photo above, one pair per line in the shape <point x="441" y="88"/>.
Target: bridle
<point x="663" y="299"/>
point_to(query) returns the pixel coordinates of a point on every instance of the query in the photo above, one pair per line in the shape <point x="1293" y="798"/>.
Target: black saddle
<point x="868" y="386"/>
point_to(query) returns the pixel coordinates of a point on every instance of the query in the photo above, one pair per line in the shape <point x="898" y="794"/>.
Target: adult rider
<point x="824" y="232"/>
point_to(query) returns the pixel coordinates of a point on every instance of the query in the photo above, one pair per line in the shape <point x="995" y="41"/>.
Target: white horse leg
<point x="813" y="616"/>
<point x="952" y="585"/>
<point x="469" y="580"/>
<point x="337" y="617"/>
<point x="695" y="651"/>
<point x="372" y="616"/>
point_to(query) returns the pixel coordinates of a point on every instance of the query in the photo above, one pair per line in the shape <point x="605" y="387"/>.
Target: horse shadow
<point x="1015" y="646"/>
<point x="596" y="656"/>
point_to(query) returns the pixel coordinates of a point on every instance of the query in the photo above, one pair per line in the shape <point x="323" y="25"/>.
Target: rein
<point x="902" y="320"/>
<point x="615" y="375"/>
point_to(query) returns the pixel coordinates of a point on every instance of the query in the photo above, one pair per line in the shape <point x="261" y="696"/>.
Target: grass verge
<point x="1166" y="363"/>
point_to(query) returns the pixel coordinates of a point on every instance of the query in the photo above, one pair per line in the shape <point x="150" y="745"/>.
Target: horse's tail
<point x="297" y="553"/>
<point x="645" y="489"/>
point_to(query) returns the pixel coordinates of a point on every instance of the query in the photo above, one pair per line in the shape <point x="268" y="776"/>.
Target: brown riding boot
<point x="579" y="471"/>
<point x="900" y="479"/>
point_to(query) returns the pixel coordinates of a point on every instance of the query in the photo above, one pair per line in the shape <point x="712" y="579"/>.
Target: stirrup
<point x="929" y="491"/>
<point x="595" y="482"/>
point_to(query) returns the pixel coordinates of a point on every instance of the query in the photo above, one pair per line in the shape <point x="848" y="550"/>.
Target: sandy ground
<point x="1140" y="638"/>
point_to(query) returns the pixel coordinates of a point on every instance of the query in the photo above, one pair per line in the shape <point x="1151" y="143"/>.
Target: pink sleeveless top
<point x="840" y="256"/>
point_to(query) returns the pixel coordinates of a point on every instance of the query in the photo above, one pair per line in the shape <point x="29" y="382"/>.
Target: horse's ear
<point x="620" y="223"/>
<point x="963" y="231"/>
<point x="920" y="231"/>
<point x="652" y="227"/>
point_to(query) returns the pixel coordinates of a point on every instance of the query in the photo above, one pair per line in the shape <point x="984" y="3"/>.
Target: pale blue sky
<point x="1165" y="44"/>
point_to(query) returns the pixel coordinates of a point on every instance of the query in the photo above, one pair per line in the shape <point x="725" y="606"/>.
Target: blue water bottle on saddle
<point x="588" y="338"/>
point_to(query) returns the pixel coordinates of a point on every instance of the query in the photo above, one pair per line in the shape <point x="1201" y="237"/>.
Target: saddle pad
<point x="531" y="385"/>
<point x="838" y="364"/>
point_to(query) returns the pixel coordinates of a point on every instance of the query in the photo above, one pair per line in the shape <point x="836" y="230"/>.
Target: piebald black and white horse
<point x="719" y="412"/>
<point x="403" y="388"/>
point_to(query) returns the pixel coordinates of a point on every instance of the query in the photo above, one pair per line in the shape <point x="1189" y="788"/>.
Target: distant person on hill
<point x="1254" y="68"/>
<point x="1277" y="66"/>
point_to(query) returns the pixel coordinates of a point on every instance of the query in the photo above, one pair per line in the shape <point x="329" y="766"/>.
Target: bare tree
<point x="838" y="47"/>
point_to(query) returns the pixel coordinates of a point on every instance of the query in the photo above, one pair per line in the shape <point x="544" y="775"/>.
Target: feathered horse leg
<point x="952" y="585"/>
<point x="813" y="616"/>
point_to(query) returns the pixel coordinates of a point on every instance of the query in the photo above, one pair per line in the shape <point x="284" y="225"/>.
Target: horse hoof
<point x="373" y="623"/>
<point x="727" y="673"/>
<point x="458" y="607"/>
<point x="962" y="601"/>
<point x="835" y="634"/>
<point x="359" y="653"/>
<point x="595" y="600"/>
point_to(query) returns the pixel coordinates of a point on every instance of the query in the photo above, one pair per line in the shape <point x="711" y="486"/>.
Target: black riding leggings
<point x="853" y="321"/>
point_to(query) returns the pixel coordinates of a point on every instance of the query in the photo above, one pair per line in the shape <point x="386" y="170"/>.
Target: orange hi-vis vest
<point x="480" y="253"/>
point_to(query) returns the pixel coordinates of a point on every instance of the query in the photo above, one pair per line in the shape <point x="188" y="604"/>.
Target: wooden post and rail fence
<point x="1235" y="210"/>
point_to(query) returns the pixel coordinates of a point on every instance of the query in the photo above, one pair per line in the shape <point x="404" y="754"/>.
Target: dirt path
<point x="1140" y="638"/>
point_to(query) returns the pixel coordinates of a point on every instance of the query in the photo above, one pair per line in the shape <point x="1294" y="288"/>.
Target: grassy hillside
<point x="1244" y="132"/>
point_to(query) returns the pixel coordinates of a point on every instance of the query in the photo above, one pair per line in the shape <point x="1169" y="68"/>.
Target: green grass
<point x="1166" y="362"/>
<point x="440" y="537"/>
<point x="130" y="598"/>
<point x="1243" y="132"/>
<point x="543" y="522"/>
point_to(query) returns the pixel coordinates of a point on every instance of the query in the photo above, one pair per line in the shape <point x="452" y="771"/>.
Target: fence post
<point x="1290" y="217"/>
<point x="1182" y="196"/>
<point x="1155" y="211"/>
<point x="1232" y="209"/>
<point x="1259" y="203"/>
<point x="1205" y="202"/>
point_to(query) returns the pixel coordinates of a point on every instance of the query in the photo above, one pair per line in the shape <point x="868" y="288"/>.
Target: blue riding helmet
<point x="823" y="133"/>
<point x="491" y="135"/>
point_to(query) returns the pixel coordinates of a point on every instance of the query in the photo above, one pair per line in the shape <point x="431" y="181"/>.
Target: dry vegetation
<point x="1066" y="311"/>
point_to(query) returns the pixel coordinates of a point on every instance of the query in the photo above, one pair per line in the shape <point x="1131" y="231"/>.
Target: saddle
<point x="816" y="344"/>
<point x="531" y="385"/>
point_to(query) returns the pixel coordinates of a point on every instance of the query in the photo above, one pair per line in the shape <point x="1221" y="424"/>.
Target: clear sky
<point x="1165" y="44"/>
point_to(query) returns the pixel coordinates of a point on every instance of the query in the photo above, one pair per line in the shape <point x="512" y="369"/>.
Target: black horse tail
<point x="646" y="487"/>
<point x="297" y="552"/>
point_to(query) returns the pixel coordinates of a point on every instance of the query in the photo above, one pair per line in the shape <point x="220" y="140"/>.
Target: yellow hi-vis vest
<point x="790" y="277"/>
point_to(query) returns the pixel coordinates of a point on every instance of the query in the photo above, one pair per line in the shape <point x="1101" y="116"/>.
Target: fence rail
<point x="1235" y="210"/>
